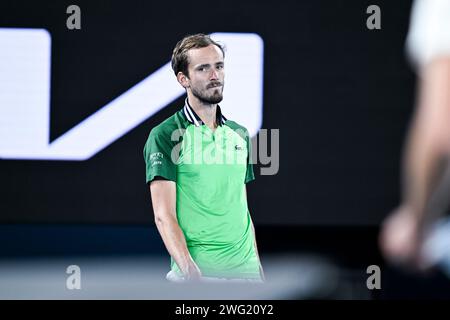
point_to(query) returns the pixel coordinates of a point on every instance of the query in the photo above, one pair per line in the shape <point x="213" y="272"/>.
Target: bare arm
<point x="429" y="138"/>
<point x="163" y="194"/>
<point x="425" y="158"/>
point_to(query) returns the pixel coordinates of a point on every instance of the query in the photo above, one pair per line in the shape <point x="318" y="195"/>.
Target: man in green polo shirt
<point x="197" y="165"/>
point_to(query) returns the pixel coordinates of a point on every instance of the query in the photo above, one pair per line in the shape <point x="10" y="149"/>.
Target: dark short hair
<point x="179" y="56"/>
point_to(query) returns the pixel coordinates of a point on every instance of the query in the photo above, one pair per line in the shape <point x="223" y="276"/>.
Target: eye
<point x="220" y="67"/>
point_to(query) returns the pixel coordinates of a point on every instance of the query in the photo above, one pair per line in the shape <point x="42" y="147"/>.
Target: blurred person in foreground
<point x="414" y="235"/>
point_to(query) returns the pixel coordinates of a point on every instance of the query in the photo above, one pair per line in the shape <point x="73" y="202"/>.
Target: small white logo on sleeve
<point x="156" y="158"/>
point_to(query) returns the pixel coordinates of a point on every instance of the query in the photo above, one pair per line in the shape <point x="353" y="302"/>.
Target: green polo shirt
<point x="210" y="170"/>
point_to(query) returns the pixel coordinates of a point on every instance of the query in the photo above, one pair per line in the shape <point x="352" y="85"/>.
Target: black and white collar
<point x="193" y="118"/>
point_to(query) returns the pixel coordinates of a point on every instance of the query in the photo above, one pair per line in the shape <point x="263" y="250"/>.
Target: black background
<point x="341" y="95"/>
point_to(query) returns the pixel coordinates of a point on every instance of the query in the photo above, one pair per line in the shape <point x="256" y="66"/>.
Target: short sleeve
<point x="429" y="32"/>
<point x="157" y="156"/>
<point x="249" y="175"/>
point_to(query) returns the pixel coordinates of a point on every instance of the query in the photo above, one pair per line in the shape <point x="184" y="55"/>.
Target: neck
<point x="206" y="111"/>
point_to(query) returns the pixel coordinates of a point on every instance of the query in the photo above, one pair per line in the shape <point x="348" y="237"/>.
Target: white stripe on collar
<point x="186" y="114"/>
<point x="189" y="113"/>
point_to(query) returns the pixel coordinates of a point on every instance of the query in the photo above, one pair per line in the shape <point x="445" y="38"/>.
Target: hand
<point x="401" y="238"/>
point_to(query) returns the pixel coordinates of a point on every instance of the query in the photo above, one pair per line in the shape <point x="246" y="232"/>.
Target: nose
<point x="214" y="75"/>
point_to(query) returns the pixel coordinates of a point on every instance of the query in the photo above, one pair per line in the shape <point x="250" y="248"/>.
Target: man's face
<point x="206" y="74"/>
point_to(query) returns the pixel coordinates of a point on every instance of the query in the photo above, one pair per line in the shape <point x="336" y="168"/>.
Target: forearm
<point x="175" y="243"/>
<point x="164" y="207"/>
<point x="423" y="165"/>
<point x="429" y="140"/>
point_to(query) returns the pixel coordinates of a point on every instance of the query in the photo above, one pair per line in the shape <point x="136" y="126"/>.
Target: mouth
<point x="218" y="85"/>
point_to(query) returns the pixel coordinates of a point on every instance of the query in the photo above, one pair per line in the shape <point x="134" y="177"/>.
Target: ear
<point x="183" y="80"/>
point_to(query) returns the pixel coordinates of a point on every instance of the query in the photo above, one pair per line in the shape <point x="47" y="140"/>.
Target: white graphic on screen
<point x="25" y="61"/>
